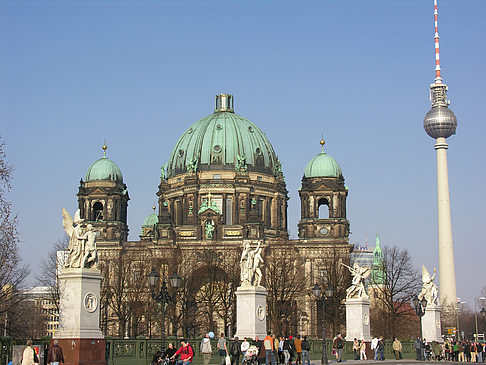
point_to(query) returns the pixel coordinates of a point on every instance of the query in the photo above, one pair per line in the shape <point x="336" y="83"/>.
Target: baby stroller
<point x="251" y="356"/>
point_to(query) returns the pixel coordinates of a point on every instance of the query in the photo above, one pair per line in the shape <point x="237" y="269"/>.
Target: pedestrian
<point x="298" y="349"/>
<point x="286" y="350"/>
<point x="268" y="345"/>
<point x="186" y="352"/>
<point x="245" y="345"/>
<point x="235" y="351"/>
<point x="374" y="344"/>
<point x="223" y="350"/>
<point x="356" y="349"/>
<point x="261" y="351"/>
<point x="418" y="348"/>
<point x="381" y="348"/>
<point x="455" y="351"/>
<point x="460" y="349"/>
<point x="305" y="351"/>
<point x="362" y="350"/>
<point x="281" y="357"/>
<point x="397" y="349"/>
<point x="29" y="357"/>
<point x="338" y="344"/>
<point x="206" y="349"/>
<point x="275" y="348"/>
<point x="158" y="358"/>
<point x="54" y="355"/>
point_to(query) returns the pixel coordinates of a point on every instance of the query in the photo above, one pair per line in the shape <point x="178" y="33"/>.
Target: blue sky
<point x="139" y="73"/>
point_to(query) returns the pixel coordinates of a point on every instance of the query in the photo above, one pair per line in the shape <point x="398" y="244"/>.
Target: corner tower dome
<point x="323" y="165"/>
<point x="103" y="169"/>
<point x="223" y="141"/>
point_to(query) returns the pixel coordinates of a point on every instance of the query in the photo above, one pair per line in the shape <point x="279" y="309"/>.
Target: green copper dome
<point x="323" y="165"/>
<point x="151" y="220"/>
<point x="223" y="141"/>
<point x="104" y="169"/>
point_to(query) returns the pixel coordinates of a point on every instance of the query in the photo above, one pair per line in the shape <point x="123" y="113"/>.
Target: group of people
<point x="54" y="354"/>
<point x="465" y="351"/>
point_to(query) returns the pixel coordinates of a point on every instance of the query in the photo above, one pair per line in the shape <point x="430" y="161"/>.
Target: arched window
<point x="323" y="207"/>
<point x="98" y="211"/>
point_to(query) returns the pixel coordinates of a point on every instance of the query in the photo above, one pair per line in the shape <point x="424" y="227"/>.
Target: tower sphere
<point x="440" y="121"/>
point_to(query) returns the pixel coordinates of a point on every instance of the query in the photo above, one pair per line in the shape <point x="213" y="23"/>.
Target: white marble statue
<point x="82" y="245"/>
<point x="251" y="274"/>
<point x="430" y="291"/>
<point x="357" y="288"/>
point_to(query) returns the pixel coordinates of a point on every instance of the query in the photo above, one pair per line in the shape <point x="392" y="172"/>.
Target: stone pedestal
<point x="431" y="328"/>
<point x="79" y="311"/>
<point x="251" y="308"/>
<point x="358" y="319"/>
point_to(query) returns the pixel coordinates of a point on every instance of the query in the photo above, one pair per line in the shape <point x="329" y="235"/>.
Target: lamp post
<point x="163" y="297"/>
<point x="328" y="293"/>
<point x="420" y="306"/>
<point x="476" y="314"/>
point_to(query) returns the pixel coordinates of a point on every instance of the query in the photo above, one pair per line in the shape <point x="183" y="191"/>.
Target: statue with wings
<point x="430" y="291"/>
<point x="357" y="288"/>
<point x="82" y="246"/>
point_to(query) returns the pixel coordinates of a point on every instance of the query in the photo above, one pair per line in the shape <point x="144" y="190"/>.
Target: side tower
<point x="103" y="200"/>
<point x="440" y="123"/>
<point x="323" y="201"/>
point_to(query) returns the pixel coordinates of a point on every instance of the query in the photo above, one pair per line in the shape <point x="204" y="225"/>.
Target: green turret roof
<point x="377" y="274"/>
<point x="323" y="165"/>
<point x="223" y="141"/>
<point x="104" y="169"/>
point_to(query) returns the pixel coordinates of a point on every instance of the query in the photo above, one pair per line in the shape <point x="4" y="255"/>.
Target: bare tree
<point x="285" y="281"/>
<point x="392" y="313"/>
<point x="12" y="272"/>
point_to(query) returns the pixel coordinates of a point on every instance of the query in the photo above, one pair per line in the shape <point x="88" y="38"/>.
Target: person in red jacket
<point x="186" y="352"/>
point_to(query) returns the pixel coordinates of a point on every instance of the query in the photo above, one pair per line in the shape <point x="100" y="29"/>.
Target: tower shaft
<point x="446" y="251"/>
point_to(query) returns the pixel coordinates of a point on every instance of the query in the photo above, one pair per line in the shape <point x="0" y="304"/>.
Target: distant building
<point x="44" y="305"/>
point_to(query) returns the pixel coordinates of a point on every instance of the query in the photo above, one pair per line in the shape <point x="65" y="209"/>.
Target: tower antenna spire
<point x="438" y="79"/>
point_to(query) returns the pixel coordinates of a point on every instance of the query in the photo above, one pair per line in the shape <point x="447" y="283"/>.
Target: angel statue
<point x="357" y="288"/>
<point x="251" y="274"/>
<point x="81" y="254"/>
<point x="430" y="291"/>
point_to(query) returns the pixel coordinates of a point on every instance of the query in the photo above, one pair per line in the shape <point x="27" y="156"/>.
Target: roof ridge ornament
<point x="322" y="142"/>
<point x="104" y="147"/>
<point x="224" y="103"/>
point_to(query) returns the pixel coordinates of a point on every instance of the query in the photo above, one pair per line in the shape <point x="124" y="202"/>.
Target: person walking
<point x="54" y="355"/>
<point x="397" y="349"/>
<point x="235" y="351"/>
<point x="281" y="357"/>
<point x="356" y="349"/>
<point x="268" y="345"/>
<point x="381" y="348"/>
<point x="29" y="357"/>
<point x="223" y="350"/>
<point x="286" y="350"/>
<point x="298" y="350"/>
<point x="374" y="344"/>
<point x="206" y="349"/>
<point x="305" y="351"/>
<point x="418" y="348"/>
<point x="338" y="345"/>
<point x="275" y="349"/>
<point x="362" y="350"/>
<point x="245" y="345"/>
<point x="460" y="349"/>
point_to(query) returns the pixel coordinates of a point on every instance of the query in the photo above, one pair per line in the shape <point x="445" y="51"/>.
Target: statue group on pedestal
<point x="251" y="274"/>
<point x="357" y="288"/>
<point x="430" y="291"/>
<point x="82" y="242"/>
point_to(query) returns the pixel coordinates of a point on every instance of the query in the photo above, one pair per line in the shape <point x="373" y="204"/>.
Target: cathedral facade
<point x="222" y="187"/>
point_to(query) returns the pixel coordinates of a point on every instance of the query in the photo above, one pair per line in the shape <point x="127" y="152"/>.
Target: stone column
<point x="251" y="308"/>
<point x="79" y="332"/>
<point x="431" y="327"/>
<point x="358" y="319"/>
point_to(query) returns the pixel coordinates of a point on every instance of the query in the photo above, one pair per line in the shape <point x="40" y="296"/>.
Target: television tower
<point x="440" y="123"/>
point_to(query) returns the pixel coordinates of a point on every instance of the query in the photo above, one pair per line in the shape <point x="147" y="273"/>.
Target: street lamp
<point x="163" y="297"/>
<point x="476" y="315"/>
<point x="328" y="293"/>
<point x="420" y="306"/>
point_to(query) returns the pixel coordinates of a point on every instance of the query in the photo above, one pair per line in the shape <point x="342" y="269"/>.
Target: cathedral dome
<point x="323" y="165"/>
<point x="151" y="220"/>
<point x="223" y="141"/>
<point x="103" y="169"/>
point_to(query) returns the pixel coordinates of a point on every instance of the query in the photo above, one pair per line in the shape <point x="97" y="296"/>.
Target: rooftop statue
<point x="357" y="288"/>
<point x="430" y="291"/>
<point x="251" y="274"/>
<point x="82" y="245"/>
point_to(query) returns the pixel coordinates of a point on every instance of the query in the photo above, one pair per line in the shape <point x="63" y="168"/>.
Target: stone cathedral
<point x="222" y="187"/>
